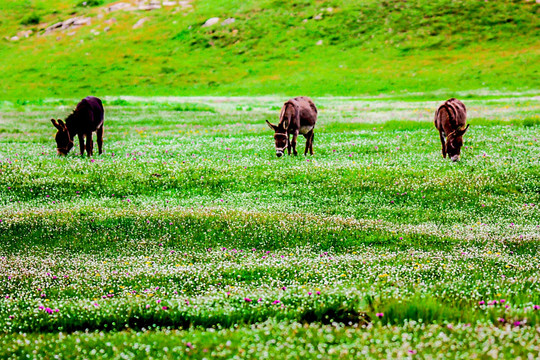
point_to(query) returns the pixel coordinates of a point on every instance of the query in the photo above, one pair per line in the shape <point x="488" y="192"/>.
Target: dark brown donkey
<point x="450" y="120"/>
<point x="85" y="119"/>
<point x="298" y="116"/>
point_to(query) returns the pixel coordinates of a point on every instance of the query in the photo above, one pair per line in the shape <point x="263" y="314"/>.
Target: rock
<point x="320" y="42"/>
<point x="211" y="21"/>
<point x="14" y="38"/>
<point x="149" y="7"/>
<point x="24" y="34"/>
<point x="228" y="21"/>
<point x="118" y="6"/>
<point x="305" y="21"/>
<point x="64" y="25"/>
<point x="110" y="21"/>
<point x="67" y="23"/>
<point x="169" y="3"/>
<point x="140" y="23"/>
<point x="185" y="4"/>
<point x="71" y="33"/>
<point x="330" y="9"/>
<point x="317" y="17"/>
<point x="54" y="27"/>
<point x="107" y="29"/>
<point x="82" y="21"/>
<point x="121" y="6"/>
<point x="154" y="4"/>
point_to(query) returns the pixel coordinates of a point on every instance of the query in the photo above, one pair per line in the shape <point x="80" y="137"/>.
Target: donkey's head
<point x="454" y="142"/>
<point x="64" y="141"/>
<point x="280" y="136"/>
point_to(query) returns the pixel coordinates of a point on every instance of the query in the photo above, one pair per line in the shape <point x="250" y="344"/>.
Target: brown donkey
<point x="85" y="119"/>
<point x="450" y="120"/>
<point x="298" y="116"/>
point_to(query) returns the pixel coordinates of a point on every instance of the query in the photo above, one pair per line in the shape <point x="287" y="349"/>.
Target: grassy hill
<point x="333" y="47"/>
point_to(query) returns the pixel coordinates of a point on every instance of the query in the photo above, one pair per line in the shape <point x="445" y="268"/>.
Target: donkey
<point x="450" y="120"/>
<point x="298" y="116"/>
<point x="85" y="119"/>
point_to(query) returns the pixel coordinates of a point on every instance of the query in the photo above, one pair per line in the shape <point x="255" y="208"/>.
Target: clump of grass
<point x="116" y="102"/>
<point x="31" y="19"/>
<point x="531" y="121"/>
<point x="89" y="3"/>
<point x="194" y="107"/>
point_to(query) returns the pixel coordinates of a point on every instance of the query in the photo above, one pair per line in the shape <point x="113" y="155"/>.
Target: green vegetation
<point x="189" y="222"/>
<point x="31" y="19"/>
<point x="367" y="47"/>
<point x="189" y="238"/>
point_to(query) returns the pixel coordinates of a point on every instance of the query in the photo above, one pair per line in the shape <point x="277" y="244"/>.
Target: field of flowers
<point x="188" y="237"/>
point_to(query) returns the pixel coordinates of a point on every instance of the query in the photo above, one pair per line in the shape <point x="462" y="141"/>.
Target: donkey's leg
<point x="81" y="143"/>
<point x="89" y="144"/>
<point x="443" y="144"/>
<point x="288" y="144"/>
<point x="311" y="142"/>
<point x="308" y="137"/>
<point x="295" y="135"/>
<point x="100" y="139"/>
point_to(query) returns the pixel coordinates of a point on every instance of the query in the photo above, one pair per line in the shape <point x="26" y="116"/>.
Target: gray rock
<point x="119" y="6"/>
<point x="82" y="21"/>
<point x="140" y="23"/>
<point x="228" y="21"/>
<point x="211" y="21"/>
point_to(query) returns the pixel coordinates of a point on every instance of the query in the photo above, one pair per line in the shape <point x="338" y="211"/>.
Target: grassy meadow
<point x="189" y="238"/>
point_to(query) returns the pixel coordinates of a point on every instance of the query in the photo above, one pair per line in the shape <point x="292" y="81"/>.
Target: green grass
<point x="415" y="48"/>
<point x="188" y="235"/>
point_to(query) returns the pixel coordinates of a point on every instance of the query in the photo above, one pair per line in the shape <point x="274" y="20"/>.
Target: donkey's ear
<point x="62" y="124"/>
<point x="463" y="131"/>
<point x="56" y="125"/>
<point x="273" y="127"/>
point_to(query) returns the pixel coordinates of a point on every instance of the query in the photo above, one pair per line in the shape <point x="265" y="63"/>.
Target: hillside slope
<point x="333" y="47"/>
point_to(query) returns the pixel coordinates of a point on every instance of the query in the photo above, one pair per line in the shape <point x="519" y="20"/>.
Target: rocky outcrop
<point x="126" y="5"/>
<point x="69" y="23"/>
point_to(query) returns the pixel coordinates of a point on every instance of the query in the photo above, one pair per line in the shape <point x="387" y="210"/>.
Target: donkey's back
<point x="307" y="112"/>
<point x="450" y="116"/>
<point x="89" y="115"/>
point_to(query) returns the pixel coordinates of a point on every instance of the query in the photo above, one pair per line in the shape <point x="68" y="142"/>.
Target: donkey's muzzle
<point x="279" y="153"/>
<point x="455" y="158"/>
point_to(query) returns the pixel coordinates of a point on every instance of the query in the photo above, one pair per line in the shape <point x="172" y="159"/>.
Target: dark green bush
<point x="31" y="19"/>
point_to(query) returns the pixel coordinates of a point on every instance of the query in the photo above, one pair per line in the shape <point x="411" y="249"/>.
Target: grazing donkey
<point x="450" y="120"/>
<point x="298" y="116"/>
<point x="85" y="119"/>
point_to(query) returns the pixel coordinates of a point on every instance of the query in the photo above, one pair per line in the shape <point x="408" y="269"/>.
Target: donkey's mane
<point x="71" y="121"/>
